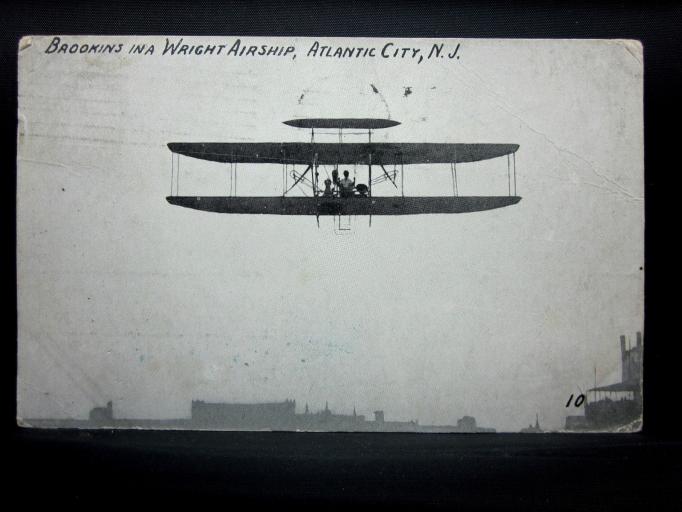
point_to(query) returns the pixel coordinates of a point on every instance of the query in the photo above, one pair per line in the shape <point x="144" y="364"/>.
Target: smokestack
<point x="639" y="339"/>
<point x="622" y="345"/>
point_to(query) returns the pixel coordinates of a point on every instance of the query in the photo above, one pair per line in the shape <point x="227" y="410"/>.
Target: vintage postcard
<point x="310" y="234"/>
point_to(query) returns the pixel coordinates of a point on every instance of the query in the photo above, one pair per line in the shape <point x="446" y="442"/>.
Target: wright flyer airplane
<point x="337" y="194"/>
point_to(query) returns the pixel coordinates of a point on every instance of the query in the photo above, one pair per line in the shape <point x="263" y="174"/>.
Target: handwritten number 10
<point x="578" y="400"/>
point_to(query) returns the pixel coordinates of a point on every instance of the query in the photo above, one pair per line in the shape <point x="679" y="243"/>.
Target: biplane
<point x="337" y="195"/>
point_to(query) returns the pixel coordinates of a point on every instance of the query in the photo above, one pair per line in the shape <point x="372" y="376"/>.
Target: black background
<point x="575" y="472"/>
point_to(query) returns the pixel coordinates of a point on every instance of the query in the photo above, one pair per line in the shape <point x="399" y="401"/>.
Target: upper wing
<point x="340" y="153"/>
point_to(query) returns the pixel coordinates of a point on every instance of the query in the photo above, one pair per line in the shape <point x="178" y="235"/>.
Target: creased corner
<point x="25" y="42"/>
<point x="21" y="422"/>
<point x="634" y="47"/>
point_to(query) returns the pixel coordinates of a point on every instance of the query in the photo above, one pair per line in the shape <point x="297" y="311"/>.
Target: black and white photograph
<point x="309" y="234"/>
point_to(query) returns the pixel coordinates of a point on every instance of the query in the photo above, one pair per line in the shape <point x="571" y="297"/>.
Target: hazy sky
<point x="497" y="314"/>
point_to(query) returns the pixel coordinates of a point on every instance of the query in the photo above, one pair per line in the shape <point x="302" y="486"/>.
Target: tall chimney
<point x="623" y="366"/>
<point x="639" y="339"/>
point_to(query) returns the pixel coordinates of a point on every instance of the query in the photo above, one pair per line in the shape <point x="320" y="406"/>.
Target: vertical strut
<point x="508" y="175"/>
<point x="402" y="176"/>
<point x="369" y="181"/>
<point x="454" y="167"/>
<point x="514" y="160"/>
<point x="177" y="182"/>
<point x="454" y="185"/>
<point x="231" y="173"/>
<point x="313" y="172"/>
<point x="284" y="171"/>
<point x="172" y="171"/>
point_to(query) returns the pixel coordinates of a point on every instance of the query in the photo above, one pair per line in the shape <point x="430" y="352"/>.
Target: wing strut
<point x="315" y="176"/>
<point x="402" y="176"/>
<point x="369" y="181"/>
<point x="453" y="169"/>
<point x="284" y="172"/>
<point x="514" y="161"/>
<point x="508" y="175"/>
<point x="172" y="171"/>
<point x="177" y="183"/>
<point x="233" y="175"/>
<point x="231" y="180"/>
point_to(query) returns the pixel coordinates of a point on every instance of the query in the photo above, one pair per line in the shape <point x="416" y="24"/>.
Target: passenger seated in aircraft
<point x="335" y="181"/>
<point x="327" y="188"/>
<point x="346" y="185"/>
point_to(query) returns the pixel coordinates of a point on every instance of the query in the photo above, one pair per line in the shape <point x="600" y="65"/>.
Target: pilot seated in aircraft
<point x="327" y="188"/>
<point x="346" y="185"/>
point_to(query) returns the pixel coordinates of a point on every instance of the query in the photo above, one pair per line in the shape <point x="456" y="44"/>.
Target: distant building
<point x="278" y="415"/>
<point x="616" y="404"/>
<point x="467" y="424"/>
<point x="102" y="415"/>
<point x="533" y="429"/>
